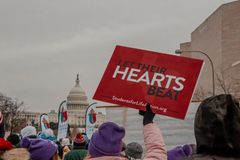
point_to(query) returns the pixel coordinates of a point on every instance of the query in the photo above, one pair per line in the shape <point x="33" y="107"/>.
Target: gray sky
<point x="45" y="43"/>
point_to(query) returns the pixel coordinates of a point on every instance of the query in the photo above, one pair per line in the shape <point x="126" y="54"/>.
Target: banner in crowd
<point x="44" y="121"/>
<point x="91" y="118"/>
<point x="135" y="77"/>
<point x="62" y="121"/>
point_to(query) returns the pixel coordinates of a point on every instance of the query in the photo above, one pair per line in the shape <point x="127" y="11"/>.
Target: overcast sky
<point x="45" y="43"/>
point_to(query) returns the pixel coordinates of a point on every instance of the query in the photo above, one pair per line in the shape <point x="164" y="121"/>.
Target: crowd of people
<point x="216" y="127"/>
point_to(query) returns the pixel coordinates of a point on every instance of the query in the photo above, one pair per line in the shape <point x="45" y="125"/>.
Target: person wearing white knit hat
<point x="65" y="142"/>
<point x="29" y="131"/>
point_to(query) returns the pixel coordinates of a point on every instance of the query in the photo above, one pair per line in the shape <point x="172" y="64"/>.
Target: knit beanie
<point x="107" y="140"/>
<point x="28" y="131"/>
<point x="48" y="134"/>
<point x="179" y="152"/>
<point x="14" y="139"/>
<point x="134" y="150"/>
<point x="217" y="126"/>
<point x="16" y="154"/>
<point x="65" y="142"/>
<point x="5" y="145"/>
<point x="79" y="142"/>
<point x="39" y="149"/>
<point x="76" y="155"/>
<point x="79" y="139"/>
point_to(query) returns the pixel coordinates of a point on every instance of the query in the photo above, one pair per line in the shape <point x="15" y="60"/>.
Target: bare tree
<point x="227" y="84"/>
<point x="200" y="94"/>
<point x="11" y="110"/>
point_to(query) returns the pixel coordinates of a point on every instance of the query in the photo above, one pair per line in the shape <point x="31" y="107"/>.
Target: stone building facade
<point x="219" y="37"/>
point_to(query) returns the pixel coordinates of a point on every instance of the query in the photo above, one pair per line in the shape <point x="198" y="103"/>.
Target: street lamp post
<point x="213" y="79"/>
<point x="235" y="63"/>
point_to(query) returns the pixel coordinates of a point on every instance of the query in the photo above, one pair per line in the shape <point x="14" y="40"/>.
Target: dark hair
<point x="14" y="139"/>
<point x="60" y="151"/>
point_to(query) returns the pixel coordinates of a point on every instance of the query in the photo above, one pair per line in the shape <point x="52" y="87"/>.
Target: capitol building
<point x="77" y="103"/>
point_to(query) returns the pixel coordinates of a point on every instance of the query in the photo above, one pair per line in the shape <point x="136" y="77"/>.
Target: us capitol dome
<point x="77" y="103"/>
<point x="77" y="98"/>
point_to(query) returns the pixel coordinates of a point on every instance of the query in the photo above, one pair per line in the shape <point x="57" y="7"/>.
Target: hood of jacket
<point x="217" y="125"/>
<point x="107" y="158"/>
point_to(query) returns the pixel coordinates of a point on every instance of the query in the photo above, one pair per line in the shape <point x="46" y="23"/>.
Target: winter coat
<point x="76" y="154"/>
<point x="155" y="146"/>
<point x="217" y="129"/>
<point x="208" y="157"/>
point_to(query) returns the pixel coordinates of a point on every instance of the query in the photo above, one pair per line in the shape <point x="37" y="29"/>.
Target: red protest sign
<point x="135" y="77"/>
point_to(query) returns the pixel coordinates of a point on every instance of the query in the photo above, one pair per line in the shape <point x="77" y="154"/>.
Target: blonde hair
<point x="16" y="154"/>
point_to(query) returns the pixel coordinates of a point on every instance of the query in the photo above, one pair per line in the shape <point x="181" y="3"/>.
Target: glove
<point x="148" y="115"/>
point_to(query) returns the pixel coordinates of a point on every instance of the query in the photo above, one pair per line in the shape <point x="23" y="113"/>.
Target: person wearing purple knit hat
<point x="106" y="142"/>
<point x="40" y="149"/>
<point x="180" y="152"/>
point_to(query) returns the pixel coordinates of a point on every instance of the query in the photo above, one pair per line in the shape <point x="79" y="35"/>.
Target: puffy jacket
<point x="155" y="146"/>
<point x="76" y="154"/>
<point x="208" y="157"/>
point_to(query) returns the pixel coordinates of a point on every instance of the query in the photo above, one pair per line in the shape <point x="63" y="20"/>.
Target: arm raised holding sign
<point x="152" y="137"/>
